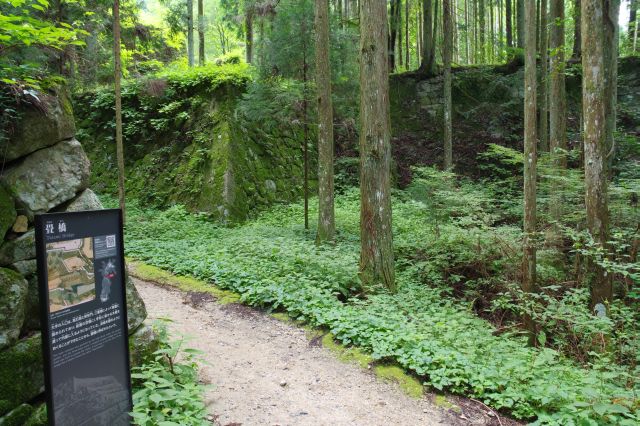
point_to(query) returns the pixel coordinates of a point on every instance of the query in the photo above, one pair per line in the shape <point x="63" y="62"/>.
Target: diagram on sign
<point x="70" y="273"/>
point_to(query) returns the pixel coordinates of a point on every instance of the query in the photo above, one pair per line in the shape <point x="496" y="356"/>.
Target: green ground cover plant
<point x="166" y="390"/>
<point x="448" y="254"/>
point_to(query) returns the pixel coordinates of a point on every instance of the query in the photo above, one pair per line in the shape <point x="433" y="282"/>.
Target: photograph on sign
<point x="83" y="305"/>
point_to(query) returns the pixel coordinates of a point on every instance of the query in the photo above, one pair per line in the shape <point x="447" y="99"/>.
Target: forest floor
<point x="263" y="371"/>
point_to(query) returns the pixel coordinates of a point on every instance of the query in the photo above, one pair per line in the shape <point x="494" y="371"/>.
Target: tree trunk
<point x="190" y="52"/>
<point x="407" y="56"/>
<point x="594" y="107"/>
<point x="633" y="17"/>
<point x="448" y="46"/>
<point x="399" y="27"/>
<point x="391" y="39"/>
<point x="611" y="48"/>
<point x="201" y="58"/>
<point x="428" y="63"/>
<point x="481" y="27"/>
<point x="520" y="22"/>
<point x="577" y="39"/>
<point x="530" y="157"/>
<point x="326" y="216"/>
<point x="419" y="37"/>
<point x="543" y="134"/>
<point x="434" y="37"/>
<point x="248" y="34"/>
<point x="376" y="256"/>
<point x="557" y="108"/>
<point x="466" y="31"/>
<point x="117" y="75"/>
<point x="509" y="24"/>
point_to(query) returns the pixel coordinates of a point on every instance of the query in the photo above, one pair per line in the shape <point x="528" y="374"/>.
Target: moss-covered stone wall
<point x="186" y="143"/>
<point x="44" y="169"/>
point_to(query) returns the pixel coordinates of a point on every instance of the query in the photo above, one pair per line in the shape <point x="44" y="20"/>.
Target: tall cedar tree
<point x="190" y="52"/>
<point x="376" y="256"/>
<point x="428" y="64"/>
<point x="557" y="87"/>
<point x="577" y="39"/>
<point x="593" y="104"/>
<point x="117" y="75"/>
<point x="201" y="58"/>
<point x="530" y="160"/>
<point x="543" y="133"/>
<point x="520" y="22"/>
<point x="611" y="48"/>
<point x="248" y="32"/>
<point x="558" y="106"/>
<point x="447" y="54"/>
<point x="326" y="215"/>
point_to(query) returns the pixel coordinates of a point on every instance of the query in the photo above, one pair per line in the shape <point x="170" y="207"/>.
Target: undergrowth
<point x="166" y="387"/>
<point x="451" y="248"/>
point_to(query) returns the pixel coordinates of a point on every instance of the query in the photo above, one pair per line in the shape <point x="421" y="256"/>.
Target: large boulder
<point x="136" y="310"/>
<point x="22" y="248"/>
<point x="143" y="343"/>
<point x="7" y="212"/>
<point x="21" y="374"/>
<point x="46" y="121"/>
<point x="48" y="177"/>
<point x="13" y="296"/>
<point x="87" y="200"/>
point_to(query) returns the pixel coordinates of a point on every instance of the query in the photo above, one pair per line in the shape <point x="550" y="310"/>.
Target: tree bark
<point x="393" y="33"/>
<point x="190" y="52"/>
<point x="201" y="58"/>
<point x="447" y="28"/>
<point x="399" y="26"/>
<point x="326" y="215"/>
<point x="633" y="17"/>
<point x="530" y="161"/>
<point x="594" y="108"/>
<point x="577" y="39"/>
<point x="376" y="256"/>
<point x="520" y="22"/>
<point x="557" y="108"/>
<point x="248" y="34"/>
<point x="428" y="63"/>
<point x="117" y="75"/>
<point x="481" y="26"/>
<point x="407" y="56"/>
<point x="543" y="134"/>
<point x="509" y="25"/>
<point x="611" y="48"/>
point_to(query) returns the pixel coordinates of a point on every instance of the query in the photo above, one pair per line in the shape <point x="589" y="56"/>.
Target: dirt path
<point x="265" y="372"/>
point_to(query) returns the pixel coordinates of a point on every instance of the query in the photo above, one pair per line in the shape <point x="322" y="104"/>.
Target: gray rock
<point x="26" y="268"/>
<point x="136" y="311"/>
<point x="21" y="225"/>
<point x="143" y="343"/>
<point x="48" y="177"/>
<point x="87" y="200"/>
<point x="7" y="212"/>
<point x="22" y="248"/>
<point x="21" y="374"/>
<point x="41" y="127"/>
<point x="13" y="296"/>
<point x="32" y="307"/>
<point x="17" y="416"/>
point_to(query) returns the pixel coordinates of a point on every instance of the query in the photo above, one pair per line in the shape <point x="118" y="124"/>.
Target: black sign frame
<point x="43" y="292"/>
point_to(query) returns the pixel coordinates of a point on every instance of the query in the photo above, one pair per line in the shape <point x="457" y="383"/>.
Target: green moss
<point x="39" y="417"/>
<point x="281" y="316"/>
<point x="410" y="385"/>
<point x="350" y="355"/>
<point x="21" y="375"/>
<point x="442" y="401"/>
<point x="7" y="212"/>
<point x="18" y="416"/>
<point x="151" y="273"/>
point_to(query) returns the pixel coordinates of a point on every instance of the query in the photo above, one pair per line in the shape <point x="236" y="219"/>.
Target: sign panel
<point x="84" y="318"/>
